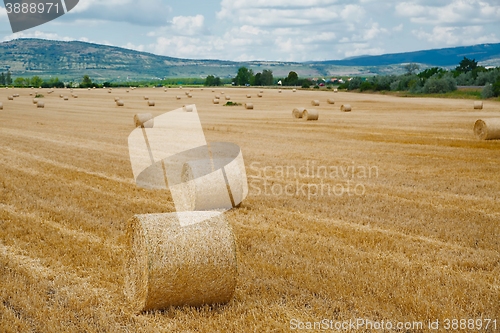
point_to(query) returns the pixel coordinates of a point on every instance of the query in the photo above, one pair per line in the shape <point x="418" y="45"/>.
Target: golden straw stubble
<point x="173" y="265"/>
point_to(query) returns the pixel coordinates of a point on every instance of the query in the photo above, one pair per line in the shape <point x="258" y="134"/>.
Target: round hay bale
<point x="10" y="98"/>
<point x="117" y="99"/>
<point x="35" y="100"/>
<point x="335" y="90"/>
<point x="88" y="89"/>
<point x="298" y="112"/>
<point x="127" y="90"/>
<point x="315" y="102"/>
<point x="146" y="98"/>
<point x="279" y="91"/>
<point x="15" y="95"/>
<point x="262" y="91"/>
<point x="61" y="96"/>
<point x="190" y="96"/>
<point x="75" y="96"/>
<point x="249" y="96"/>
<point x="120" y="103"/>
<point x="31" y="94"/>
<point x="228" y="97"/>
<point x="222" y="93"/>
<point x="1" y="106"/>
<point x="170" y="264"/>
<point x="249" y="106"/>
<point x="110" y="91"/>
<point x="145" y="120"/>
<point x="330" y="101"/>
<point x="165" y="90"/>
<point x="259" y="95"/>
<point x="178" y="97"/>
<point x="216" y="101"/>
<point x="187" y="108"/>
<point x="217" y="97"/>
<point x="310" y="114"/>
<point x="294" y="90"/>
<point x="478" y="105"/>
<point x="345" y="108"/>
<point x="40" y="104"/>
<point x="487" y="129"/>
<point x="186" y="93"/>
<point x="65" y="98"/>
<point x="151" y="103"/>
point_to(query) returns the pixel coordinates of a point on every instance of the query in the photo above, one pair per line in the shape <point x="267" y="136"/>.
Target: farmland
<point x="387" y="213"/>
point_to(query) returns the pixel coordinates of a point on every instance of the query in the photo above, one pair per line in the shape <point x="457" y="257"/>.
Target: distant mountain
<point x="440" y="57"/>
<point x="71" y="60"/>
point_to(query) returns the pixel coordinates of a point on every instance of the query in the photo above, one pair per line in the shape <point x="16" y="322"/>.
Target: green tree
<point x="21" y="82"/>
<point x="243" y="77"/>
<point x="411" y="68"/>
<point x="36" y="81"/>
<point x="86" y="82"/>
<point x="2" y="79"/>
<point x="267" y="78"/>
<point x="8" y="78"/>
<point x="258" y="79"/>
<point x="209" y="81"/>
<point x="291" y="79"/>
<point x="466" y="65"/>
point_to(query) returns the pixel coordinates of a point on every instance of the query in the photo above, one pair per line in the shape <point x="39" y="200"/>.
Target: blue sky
<point x="280" y="30"/>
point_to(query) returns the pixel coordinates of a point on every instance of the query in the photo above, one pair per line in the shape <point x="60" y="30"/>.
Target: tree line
<point x="433" y="80"/>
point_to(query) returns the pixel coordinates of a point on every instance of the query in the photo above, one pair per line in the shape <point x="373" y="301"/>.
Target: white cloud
<point x="452" y="36"/>
<point x="188" y="25"/>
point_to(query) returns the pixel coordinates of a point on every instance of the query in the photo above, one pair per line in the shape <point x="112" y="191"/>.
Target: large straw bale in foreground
<point x="173" y="265"/>
<point x="298" y="112"/>
<point x="487" y="129"/>
<point x="310" y="114"/>
<point x="346" y="108"/>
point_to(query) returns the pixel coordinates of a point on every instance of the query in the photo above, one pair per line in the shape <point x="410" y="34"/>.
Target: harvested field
<point x="390" y="213"/>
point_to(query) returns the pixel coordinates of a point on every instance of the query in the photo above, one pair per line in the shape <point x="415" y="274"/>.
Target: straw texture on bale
<point x="151" y="103"/>
<point x="487" y="129"/>
<point x="346" y="108"/>
<point x="120" y="103"/>
<point x="144" y="119"/>
<point x="173" y="265"/>
<point x="331" y="101"/>
<point x="249" y="106"/>
<point x="40" y="104"/>
<point x="315" y="102"/>
<point x="298" y="112"/>
<point x="478" y="105"/>
<point x="310" y="114"/>
<point x="10" y="98"/>
<point x="216" y="101"/>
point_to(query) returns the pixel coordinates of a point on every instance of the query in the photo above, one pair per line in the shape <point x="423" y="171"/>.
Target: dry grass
<point x="422" y="242"/>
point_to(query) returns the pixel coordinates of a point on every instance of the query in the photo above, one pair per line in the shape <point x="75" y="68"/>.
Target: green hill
<point x="71" y="60"/>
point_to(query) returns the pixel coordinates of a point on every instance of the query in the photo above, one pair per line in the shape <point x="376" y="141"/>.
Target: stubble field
<point x="388" y="213"/>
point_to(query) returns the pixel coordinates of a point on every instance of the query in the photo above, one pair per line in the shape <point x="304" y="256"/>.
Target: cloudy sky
<point x="282" y="30"/>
